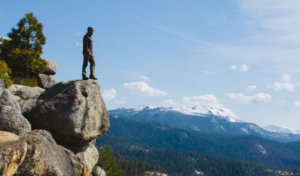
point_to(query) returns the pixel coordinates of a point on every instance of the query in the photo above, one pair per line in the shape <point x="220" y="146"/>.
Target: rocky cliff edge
<point x="51" y="129"/>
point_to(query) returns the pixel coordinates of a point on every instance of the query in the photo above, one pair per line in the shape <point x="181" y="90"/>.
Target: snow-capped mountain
<point x="194" y="110"/>
<point x="213" y="121"/>
<point x="279" y="129"/>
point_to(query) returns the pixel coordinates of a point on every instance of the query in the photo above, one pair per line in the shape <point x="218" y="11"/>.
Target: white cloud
<point x="285" y="84"/>
<point x="169" y="102"/>
<point x="286" y="78"/>
<point x="209" y="100"/>
<point x="257" y="98"/>
<point x="251" y="88"/>
<point x="109" y="94"/>
<point x="243" y="68"/>
<point x="142" y="89"/>
<point x="201" y="104"/>
<point x="233" y="67"/>
<point x="297" y="103"/>
<point x="279" y="18"/>
<point x="144" y="78"/>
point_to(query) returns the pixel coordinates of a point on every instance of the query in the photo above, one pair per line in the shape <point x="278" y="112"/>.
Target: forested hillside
<point x="186" y="163"/>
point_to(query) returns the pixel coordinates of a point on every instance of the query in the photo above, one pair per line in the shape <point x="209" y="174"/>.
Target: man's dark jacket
<point x="87" y="44"/>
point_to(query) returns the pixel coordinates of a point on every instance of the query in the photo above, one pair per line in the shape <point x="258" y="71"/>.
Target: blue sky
<point x="242" y="55"/>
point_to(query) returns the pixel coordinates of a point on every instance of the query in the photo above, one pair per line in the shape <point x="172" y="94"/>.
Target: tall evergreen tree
<point x="22" y="52"/>
<point x="108" y="163"/>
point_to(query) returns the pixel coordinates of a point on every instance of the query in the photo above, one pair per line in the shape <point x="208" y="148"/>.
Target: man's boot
<point x="84" y="77"/>
<point x="93" y="77"/>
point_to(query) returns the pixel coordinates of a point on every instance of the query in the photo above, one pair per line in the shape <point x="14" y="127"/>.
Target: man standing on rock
<point x="88" y="54"/>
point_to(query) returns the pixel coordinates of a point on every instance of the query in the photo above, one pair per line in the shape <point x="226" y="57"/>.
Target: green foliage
<point x="29" y="81"/>
<point x="23" y="52"/>
<point x="135" y="166"/>
<point x="108" y="163"/>
<point x="5" y="73"/>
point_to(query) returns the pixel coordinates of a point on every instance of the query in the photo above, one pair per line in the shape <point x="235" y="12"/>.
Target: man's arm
<point x="86" y="45"/>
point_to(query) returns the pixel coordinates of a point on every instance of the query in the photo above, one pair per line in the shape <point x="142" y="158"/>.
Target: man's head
<point x="90" y="30"/>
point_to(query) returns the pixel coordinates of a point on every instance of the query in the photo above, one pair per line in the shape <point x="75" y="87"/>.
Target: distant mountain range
<point x="155" y="135"/>
<point x="207" y="121"/>
<point x="191" y="142"/>
<point x="188" y="163"/>
<point x="278" y="129"/>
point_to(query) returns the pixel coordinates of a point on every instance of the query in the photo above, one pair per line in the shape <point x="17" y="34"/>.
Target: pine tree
<point x="108" y="163"/>
<point x="22" y="52"/>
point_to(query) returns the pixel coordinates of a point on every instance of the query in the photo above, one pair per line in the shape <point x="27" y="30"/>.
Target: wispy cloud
<point x="177" y="33"/>
<point x="280" y="19"/>
<point x="272" y="35"/>
<point x="144" y="78"/>
<point x="142" y="89"/>
<point x="243" y="68"/>
<point x="256" y="99"/>
<point x="297" y="103"/>
<point x="109" y="94"/>
<point x="251" y="88"/>
<point x="284" y="84"/>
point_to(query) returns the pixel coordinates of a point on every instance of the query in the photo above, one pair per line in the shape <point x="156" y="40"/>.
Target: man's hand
<point x="90" y="53"/>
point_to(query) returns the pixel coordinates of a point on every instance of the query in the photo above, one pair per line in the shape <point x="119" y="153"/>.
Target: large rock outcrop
<point x="51" y="68"/>
<point x="74" y="114"/>
<point x="36" y="153"/>
<point x="12" y="153"/>
<point x="73" y="111"/>
<point x="26" y="96"/>
<point x="46" y="79"/>
<point x="11" y="118"/>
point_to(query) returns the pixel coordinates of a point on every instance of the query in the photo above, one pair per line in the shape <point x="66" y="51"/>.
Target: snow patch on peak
<point x="281" y="129"/>
<point x="202" y="105"/>
<point x="203" y="110"/>
<point x="189" y="110"/>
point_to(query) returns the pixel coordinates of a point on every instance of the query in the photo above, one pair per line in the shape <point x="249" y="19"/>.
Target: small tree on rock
<point x="108" y="163"/>
<point x="5" y="73"/>
<point x="22" y="52"/>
